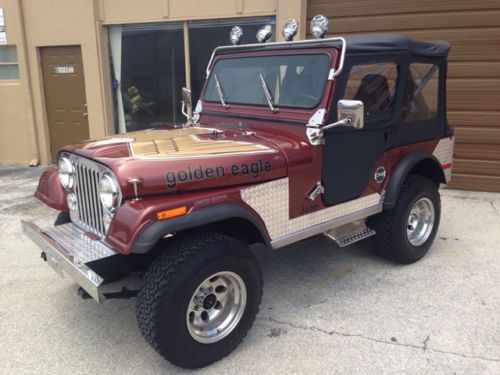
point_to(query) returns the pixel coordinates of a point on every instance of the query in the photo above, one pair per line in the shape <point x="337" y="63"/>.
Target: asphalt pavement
<point x="325" y="309"/>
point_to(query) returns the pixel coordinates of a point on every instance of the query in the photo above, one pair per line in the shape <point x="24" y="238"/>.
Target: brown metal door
<point x="65" y="101"/>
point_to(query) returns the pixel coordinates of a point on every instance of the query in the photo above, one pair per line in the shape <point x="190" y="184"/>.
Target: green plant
<point x="133" y="102"/>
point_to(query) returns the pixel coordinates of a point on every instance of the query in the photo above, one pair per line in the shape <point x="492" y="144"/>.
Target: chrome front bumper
<point x="68" y="251"/>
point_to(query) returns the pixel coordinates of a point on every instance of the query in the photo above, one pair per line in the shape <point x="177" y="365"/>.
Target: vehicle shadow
<point x="309" y="277"/>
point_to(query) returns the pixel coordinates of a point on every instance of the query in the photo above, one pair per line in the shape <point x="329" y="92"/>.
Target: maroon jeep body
<point x="342" y="137"/>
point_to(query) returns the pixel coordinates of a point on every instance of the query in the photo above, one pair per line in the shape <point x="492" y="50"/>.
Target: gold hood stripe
<point x="185" y="143"/>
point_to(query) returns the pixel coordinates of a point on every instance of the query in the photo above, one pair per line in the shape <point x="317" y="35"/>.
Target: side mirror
<point x="350" y="113"/>
<point x="354" y="111"/>
<point x="187" y="104"/>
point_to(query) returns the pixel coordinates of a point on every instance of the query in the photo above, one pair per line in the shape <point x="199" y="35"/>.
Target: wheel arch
<point x="228" y="218"/>
<point x="419" y="163"/>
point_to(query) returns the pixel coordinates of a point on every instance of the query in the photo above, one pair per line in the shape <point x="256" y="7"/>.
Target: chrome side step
<point x="350" y="233"/>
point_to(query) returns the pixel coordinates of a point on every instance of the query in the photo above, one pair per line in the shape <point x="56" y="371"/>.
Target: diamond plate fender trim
<point x="444" y="153"/>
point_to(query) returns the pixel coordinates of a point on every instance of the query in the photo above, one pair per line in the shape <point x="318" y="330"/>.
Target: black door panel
<point x="349" y="159"/>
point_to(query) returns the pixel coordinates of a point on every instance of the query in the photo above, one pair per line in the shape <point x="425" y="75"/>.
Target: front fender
<point x="50" y="190"/>
<point x="136" y="229"/>
<point x="152" y="233"/>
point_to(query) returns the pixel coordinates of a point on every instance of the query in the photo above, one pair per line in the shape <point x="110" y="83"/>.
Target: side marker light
<point x="173" y="212"/>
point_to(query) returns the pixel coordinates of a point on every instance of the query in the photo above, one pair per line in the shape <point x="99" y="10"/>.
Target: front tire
<point x="62" y="218"/>
<point x="406" y="232"/>
<point x="199" y="299"/>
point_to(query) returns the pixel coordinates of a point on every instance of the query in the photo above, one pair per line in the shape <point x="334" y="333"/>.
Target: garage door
<point x="473" y="29"/>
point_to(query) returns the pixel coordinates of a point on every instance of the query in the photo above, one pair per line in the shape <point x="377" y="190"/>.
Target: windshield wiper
<point x="220" y="92"/>
<point x="267" y="93"/>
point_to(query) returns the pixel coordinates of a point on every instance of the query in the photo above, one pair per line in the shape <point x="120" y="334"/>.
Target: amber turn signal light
<point x="173" y="212"/>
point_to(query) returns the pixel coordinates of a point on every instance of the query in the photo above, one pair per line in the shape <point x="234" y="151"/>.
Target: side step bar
<point x="350" y="233"/>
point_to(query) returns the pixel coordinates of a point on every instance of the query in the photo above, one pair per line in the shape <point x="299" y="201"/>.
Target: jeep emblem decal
<point x="380" y="174"/>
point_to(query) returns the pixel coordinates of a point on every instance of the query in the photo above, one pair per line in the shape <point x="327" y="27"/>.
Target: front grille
<point x="90" y="209"/>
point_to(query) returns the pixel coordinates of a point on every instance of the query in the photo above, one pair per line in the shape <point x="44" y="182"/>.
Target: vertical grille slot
<point x="90" y="210"/>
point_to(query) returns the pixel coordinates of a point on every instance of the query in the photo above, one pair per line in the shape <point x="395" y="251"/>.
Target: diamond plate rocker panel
<point x="270" y="201"/>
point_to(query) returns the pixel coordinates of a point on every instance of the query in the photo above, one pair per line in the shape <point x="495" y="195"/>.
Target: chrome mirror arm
<point x="344" y="122"/>
<point x="315" y="132"/>
<point x="186" y="114"/>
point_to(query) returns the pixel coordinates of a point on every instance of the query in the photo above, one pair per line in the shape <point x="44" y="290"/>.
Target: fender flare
<point x="149" y="236"/>
<point x="402" y="170"/>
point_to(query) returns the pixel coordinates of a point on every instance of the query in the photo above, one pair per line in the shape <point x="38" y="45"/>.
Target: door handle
<point x="84" y="111"/>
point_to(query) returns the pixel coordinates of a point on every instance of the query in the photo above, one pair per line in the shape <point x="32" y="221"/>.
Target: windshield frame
<point x="232" y="56"/>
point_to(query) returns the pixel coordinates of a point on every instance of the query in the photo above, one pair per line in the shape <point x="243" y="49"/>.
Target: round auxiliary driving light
<point x="106" y="218"/>
<point x="290" y="29"/>
<point x="66" y="173"/>
<point x="236" y="35"/>
<point x="71" y="201"/>
<point x="319" y="26"/>
<point x="264" y="33"/>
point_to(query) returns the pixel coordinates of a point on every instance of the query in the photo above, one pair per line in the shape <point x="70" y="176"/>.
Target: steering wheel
<point x="305" y="100"/>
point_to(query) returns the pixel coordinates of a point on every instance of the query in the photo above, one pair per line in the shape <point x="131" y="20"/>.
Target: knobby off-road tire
<point x="62" y="218"/>
<point x="173" y="299"/>
<point x="398" y="236"/>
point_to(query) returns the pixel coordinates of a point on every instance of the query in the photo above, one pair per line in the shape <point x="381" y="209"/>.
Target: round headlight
<point x="109" y="192"/>
<point x="66" y="173"/>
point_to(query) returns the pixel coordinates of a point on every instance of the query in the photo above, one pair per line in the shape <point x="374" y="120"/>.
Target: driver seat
<point x="374" y="92"/>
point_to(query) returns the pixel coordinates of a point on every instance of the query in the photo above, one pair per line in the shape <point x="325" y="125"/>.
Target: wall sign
<point x="64" y="69"/>
<point x="3" y="34"/>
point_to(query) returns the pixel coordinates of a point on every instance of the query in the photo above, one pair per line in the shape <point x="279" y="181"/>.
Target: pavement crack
<point x="492" y="204"/>
<point x="425" y="342"/>
<point x="379" y="341"/>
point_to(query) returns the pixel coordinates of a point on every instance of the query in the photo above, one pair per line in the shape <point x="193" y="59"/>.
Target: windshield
<point x="293" y="80"/>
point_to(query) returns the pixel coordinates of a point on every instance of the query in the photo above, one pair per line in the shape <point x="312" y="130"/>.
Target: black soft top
<point x="358" y="44"/>
<point x="394" y="42"/>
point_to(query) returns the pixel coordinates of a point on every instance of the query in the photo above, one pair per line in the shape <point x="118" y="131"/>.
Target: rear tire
<point x="406" y="232"/>
<point x="199" y="299"/>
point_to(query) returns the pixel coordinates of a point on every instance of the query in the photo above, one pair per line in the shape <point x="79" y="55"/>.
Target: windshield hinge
<point x="331" y="74"/>
<point x="313" y="130"/>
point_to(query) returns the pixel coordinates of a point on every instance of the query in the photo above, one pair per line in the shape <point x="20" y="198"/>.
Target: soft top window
<point x="293" y="80"/>
<point x="373" y="84"/>
<point x="420" y="101"/>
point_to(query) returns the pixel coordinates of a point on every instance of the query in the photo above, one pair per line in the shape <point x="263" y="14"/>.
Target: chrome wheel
<point x="216" y="307"/>
<point x="420" y="221"/>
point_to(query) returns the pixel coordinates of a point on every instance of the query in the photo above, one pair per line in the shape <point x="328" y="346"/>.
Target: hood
<point x="186" y="159"/>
